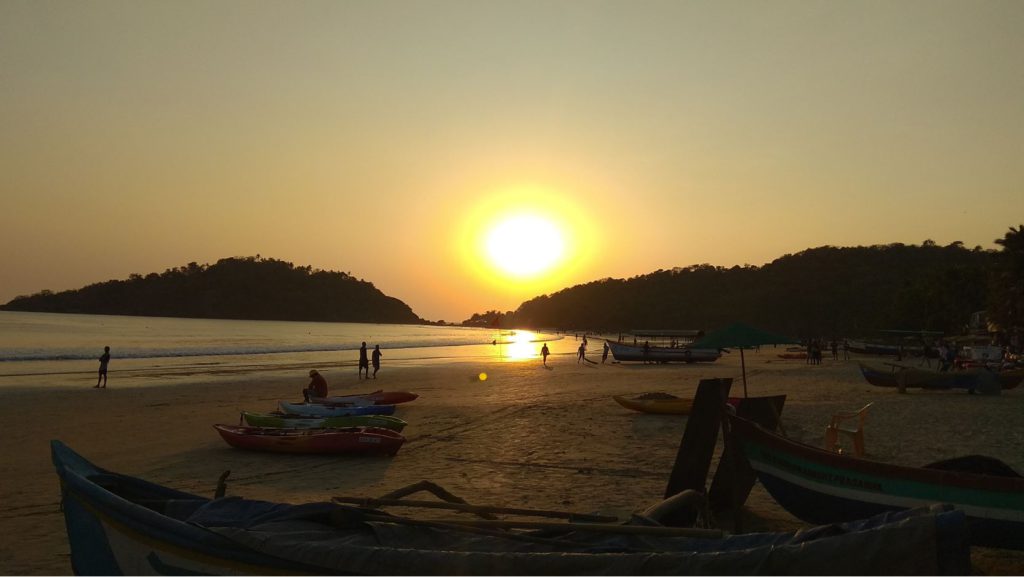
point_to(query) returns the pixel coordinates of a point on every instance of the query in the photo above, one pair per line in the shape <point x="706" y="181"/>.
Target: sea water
<point x="38" y="349"/>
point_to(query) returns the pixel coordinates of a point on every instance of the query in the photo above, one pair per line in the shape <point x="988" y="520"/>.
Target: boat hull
<point x="624" y="352"/>
<point x="353" y="440"/>
<point x="374" y="398"/>
<point x="917" y="378"/>
<point x="819" y="486"/>
<point x="287" y="421"/>
<point x="675" y="406"/>
<point x="111" y="532"/>
<point x="318" y="410"/>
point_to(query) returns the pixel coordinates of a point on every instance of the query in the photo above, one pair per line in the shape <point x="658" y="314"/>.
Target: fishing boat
<point x="374" y="398"/>
<point x="288" y="421"/>
<point x="351" y="440"/>
<point x="121" y="525"/>
<point x="819" y="486"/>
<point x="981" y="380"/>
<point x="661" y="347"/>
<point x="318" y="410"/>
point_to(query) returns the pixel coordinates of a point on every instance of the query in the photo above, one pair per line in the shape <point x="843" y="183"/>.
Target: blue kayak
<point x="318" y="410"/>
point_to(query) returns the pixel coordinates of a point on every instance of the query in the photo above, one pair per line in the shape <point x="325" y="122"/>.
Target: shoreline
<point x="524" y="437"/>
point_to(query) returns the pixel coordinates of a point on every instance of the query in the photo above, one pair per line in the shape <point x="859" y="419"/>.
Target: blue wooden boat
<point x="819" y="486"/>
<point x="121" y="525"/>
<point x="318" y="410"/>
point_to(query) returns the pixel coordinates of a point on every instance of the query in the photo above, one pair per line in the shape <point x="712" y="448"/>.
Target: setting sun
<point x="525" y="245"/>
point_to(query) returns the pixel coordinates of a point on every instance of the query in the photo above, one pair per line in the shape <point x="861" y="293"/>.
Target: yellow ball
<point x="483" y="376"/>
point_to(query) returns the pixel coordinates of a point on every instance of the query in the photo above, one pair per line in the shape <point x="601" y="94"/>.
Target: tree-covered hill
<point x="233" y="288"/>
<point x="817" y="292"/>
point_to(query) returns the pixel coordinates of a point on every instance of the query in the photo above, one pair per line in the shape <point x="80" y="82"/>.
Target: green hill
<point x="820" y="291"/>
<point x="233" y="288"/>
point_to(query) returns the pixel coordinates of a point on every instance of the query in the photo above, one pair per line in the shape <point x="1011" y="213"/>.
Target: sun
<point x="525" y="245"/>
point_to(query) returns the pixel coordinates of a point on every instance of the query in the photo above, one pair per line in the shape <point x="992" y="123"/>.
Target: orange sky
<point x="387" y="138"/>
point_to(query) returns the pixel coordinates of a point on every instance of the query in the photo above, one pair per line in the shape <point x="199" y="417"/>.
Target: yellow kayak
<point x="660" y="403"/>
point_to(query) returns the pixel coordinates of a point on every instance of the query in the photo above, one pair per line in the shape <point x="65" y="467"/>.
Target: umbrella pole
<point x="743" y="366"/>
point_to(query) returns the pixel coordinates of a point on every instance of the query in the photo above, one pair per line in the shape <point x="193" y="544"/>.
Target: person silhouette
<point x="604" y="353"/>
<point x="544" y="352"/>
<point x="104" y="360"/>
<point x="317" y="388"/>
<point x="364" y="362"/>
<point x="581" y="352"/>
<point x="376" y="360"/>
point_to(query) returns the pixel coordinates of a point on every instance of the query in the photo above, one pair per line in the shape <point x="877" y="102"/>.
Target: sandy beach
<point x="526" y="436"/>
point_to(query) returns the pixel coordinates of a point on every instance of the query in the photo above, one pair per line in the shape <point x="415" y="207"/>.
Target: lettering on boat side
<point x="824" y="477"/>
<point x="369" y="440"/>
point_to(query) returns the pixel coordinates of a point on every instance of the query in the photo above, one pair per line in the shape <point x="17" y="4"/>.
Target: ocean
<point x="48" y="349"/>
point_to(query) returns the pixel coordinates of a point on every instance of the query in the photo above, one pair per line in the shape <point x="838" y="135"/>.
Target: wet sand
<point x="526" y="436"/>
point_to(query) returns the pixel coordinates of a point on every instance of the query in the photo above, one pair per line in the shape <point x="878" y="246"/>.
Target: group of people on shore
<point x="581" y="353"/>
<point x="317" y="387"/>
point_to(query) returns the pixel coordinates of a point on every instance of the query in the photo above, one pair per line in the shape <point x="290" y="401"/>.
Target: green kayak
<point x="285" y="421"/>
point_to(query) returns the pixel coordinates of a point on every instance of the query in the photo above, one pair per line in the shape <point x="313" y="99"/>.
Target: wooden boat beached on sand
<point x="820" y="486"/>
<point x="660" y="354"/>
<point x="122" y="525"/>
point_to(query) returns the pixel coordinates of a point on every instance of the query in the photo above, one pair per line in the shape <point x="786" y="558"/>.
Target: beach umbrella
<point x="740" y="336"/>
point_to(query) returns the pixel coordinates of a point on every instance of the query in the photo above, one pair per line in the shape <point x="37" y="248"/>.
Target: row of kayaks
<point x="351" y="424"/>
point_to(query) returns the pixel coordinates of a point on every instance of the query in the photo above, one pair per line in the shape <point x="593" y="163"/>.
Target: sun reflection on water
<point x="518" y="345"/>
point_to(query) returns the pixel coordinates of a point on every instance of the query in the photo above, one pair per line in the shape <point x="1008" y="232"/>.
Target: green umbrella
<point x="740" y="336"/>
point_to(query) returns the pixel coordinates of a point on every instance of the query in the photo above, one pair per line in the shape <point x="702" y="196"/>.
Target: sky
<point x="396" y="141"/>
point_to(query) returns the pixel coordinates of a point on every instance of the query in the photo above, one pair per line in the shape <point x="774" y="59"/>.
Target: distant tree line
<point x="826" y="291"/>
<point x="233" y="288"/>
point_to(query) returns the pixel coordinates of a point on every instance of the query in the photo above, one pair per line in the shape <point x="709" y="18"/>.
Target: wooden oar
<point x="374" y="503"/>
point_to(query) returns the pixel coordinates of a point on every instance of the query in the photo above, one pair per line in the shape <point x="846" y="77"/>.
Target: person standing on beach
<point x="376" y="360"/>
<point x="317" y="388"/>
<point x="364" y="363"/>
<point x="604" y="353"/>
<point x="104" y="359"/>
<point x="580" y="353"/>
<point x="544" y="352"/>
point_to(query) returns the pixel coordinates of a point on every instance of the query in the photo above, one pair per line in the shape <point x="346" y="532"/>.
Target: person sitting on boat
<point x="317" y="388"/>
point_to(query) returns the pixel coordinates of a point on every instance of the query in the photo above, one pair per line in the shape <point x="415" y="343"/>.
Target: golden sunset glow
<point x="519" y="346"/>
<point x="525" y="245"/>
<point x="525" y="239"/>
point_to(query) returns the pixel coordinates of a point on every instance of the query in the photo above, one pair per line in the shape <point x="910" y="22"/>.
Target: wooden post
<point x="693" y="459"/>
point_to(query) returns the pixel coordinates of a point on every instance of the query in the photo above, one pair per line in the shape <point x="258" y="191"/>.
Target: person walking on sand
<point x="544" y="352"/>
<point x="364" y="363"/>
<point x="376" y="360"/>
<point x="104" y="360"/>
<point x="604" y="352"/>
<point x="317" y="388"/>
<point x="581" y="352"/>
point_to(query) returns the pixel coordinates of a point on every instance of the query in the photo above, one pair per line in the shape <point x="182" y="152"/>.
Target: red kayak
<point x="374" y="398"/>
<point x="351" y="440"/>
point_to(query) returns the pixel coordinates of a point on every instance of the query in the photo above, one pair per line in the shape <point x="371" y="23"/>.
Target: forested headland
<point x="232" y="288"/>
<point x="825" y="291"/>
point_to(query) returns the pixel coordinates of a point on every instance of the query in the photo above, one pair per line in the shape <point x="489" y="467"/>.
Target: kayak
<point x="660" y="403"/>
<point x="317" y="410"/>
<point x="286" y="421"/>
<point x="355" y="440"/>
<point x="374" y="398"/>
